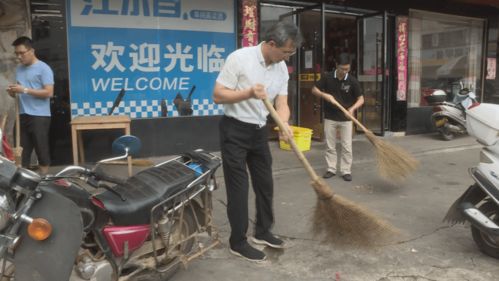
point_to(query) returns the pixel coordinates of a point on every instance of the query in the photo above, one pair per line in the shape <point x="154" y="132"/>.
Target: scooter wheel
<point x="486" y="243"/>
<point x="446" y="134"/>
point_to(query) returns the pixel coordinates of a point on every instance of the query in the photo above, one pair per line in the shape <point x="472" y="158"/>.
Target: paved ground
<point x="427" y="250"/>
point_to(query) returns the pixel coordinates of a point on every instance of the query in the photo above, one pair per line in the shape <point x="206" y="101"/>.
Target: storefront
<point x="165" y="56"/>
<point x="447" y="53"/>
<point x="153" y="60"/>
<point x="399" y="54"/>
<point x="329" y="32"/>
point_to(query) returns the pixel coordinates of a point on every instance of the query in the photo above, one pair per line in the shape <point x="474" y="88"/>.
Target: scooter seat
<point x="144" y="190"/>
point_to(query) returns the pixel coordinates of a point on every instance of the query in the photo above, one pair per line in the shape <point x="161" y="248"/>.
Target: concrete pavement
<point x="427" y="249"/>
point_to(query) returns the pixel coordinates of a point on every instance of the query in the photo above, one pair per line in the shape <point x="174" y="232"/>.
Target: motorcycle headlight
<point x="27" y="179"/>
<point x="6" y="208"/>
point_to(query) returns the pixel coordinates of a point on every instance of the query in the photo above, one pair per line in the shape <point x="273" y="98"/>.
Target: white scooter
<point x="480" y="203"/>
<point x="449" y="118"/>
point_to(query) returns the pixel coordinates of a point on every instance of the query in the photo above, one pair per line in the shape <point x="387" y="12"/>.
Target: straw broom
<point x="339" y="219"/>
<point x="394" y="163"/>
<point x="18" y="150"/>
<point x="4" y="146"/>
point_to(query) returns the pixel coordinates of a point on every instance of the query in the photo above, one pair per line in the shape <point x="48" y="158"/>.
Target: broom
<point x="18" y="150"/>
<point x="394" y="163"/>
<point x="5" y="147"/>
<point x="339" y="219"/>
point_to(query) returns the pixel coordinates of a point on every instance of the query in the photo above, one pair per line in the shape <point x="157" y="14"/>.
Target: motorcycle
<point x="85" y="224"/>
<point x="449" y="118"/>
<point x="480" y="202"/>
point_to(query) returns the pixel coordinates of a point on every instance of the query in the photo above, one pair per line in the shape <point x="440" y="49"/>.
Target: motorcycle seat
<point x="144" y="190"/>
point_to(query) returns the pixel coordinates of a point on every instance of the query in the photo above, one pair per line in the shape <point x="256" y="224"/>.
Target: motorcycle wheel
<point x="183" y="229"/>
<point x="446" y="134"/>
<point x="188" y="224"/>
<point x="486" y="243"/>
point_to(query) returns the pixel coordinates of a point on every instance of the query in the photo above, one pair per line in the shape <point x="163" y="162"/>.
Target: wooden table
<point x="96" y="123"/>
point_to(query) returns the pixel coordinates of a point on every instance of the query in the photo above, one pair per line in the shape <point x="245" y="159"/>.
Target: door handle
<point x="316" y="107"/>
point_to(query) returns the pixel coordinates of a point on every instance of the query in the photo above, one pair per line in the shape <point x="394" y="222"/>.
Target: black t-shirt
<point x="346" y="92"/>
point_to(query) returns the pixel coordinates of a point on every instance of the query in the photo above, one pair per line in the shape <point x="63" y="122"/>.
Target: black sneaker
<point x="328" y="175"/>
<point x="249" y="253"/>
<point x="268" y="240"/>
<point x="347" y="177"/>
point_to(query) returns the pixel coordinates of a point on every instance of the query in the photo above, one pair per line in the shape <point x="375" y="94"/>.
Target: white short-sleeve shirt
<point x="243" y="69"/>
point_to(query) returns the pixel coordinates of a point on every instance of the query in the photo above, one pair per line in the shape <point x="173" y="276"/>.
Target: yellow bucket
<point x="302" y="137"/>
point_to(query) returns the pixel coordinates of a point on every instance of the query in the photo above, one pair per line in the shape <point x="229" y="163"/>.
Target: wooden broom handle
<point x="18" y="124"/>
<point x="347" y="113"/>
<point x="291" y="140"/>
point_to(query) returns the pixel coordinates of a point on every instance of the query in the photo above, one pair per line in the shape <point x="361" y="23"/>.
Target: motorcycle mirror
<point x="126" y="144"/>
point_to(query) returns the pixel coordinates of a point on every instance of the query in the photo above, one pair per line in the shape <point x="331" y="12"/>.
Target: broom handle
<point x="291" y="140"/>
<point x="347" y="113"/>
<point x="18" y="124"/>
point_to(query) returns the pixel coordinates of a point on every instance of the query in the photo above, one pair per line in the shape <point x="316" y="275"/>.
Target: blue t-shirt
<point x="35" y="76"/>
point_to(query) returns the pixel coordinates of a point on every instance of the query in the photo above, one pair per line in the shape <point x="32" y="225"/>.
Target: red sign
<point x="249" y="23"/>
<point x="402" y="50"/>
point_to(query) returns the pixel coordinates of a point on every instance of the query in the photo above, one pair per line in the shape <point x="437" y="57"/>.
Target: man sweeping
<point x="250" y="75"/>
<point x="345" y="89"/>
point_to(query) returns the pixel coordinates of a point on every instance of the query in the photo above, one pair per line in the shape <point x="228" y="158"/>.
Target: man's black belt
<point x="244" y="124"/>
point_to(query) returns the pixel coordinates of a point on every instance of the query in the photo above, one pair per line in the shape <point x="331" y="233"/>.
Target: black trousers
<point x="35" y="135"/>
<point x="245" y="148"/>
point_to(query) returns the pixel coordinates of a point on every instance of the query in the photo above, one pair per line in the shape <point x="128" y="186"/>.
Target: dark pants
<point x="35" y="134"/>
<point x="245" y="145"/>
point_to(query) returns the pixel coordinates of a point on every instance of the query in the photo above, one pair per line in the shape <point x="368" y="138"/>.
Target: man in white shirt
<point x="248" y="76"/>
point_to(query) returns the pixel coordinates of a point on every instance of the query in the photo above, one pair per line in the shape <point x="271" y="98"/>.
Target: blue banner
<point x="164" y="54"/>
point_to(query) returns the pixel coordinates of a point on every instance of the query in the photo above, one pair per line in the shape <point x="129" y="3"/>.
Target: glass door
<point x="309" y="66"/>
<point x="372" y="71"/>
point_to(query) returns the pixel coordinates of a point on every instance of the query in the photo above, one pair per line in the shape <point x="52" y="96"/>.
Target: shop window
<point x="445" y="52"/>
